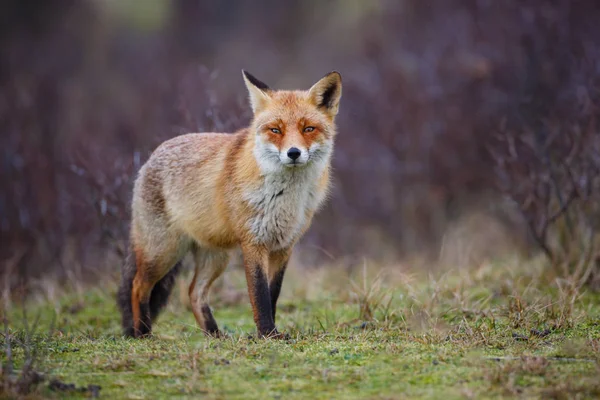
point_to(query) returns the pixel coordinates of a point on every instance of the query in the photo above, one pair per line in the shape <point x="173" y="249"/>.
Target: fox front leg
<point x="255" y="265"/>
<point x="277" y="265"/>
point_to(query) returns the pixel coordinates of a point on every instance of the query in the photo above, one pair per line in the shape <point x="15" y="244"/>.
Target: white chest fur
<point x="280" y="206"/>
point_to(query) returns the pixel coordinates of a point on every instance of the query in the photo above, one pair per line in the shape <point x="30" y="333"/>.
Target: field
<point x="467" y="156"/>
<point x="498" y="330"/>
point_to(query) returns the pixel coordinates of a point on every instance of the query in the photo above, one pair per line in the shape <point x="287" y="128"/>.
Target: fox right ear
<point x="259" y="92"/>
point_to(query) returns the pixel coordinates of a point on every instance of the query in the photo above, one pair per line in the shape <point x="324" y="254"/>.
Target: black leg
<point x="260" y="297"/>
<point x="210" y="325"/>
<point x="145" y="325"/>
<point x="275" y="287"/>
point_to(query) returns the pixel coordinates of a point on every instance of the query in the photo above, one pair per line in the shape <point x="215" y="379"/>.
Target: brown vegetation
<point x="447" y="108"/>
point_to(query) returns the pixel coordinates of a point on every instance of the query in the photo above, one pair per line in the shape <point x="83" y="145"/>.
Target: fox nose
<point x="294" y="153"/>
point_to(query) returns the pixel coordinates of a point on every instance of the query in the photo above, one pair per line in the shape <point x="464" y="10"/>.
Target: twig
<point x="8" y="368"/>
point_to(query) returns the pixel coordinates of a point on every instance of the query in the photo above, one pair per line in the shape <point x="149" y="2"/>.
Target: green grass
<point x="358" y="334"/>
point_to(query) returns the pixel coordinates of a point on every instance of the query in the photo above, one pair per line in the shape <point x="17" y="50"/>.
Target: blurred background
<point x="468" y="128"/>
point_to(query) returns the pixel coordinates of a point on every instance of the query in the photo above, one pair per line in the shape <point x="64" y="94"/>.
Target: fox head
<point x="293" y="129"/>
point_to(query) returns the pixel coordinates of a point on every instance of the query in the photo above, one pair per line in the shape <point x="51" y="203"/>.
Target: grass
<point x="495" y="331"/>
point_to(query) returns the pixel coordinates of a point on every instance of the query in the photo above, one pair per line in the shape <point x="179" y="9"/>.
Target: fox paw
<point x="274" y="334"/>
<point x="216" y="334"/>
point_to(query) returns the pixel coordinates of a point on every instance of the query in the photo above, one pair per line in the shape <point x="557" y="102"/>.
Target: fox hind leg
<point x="210" y="264"/>
<point x="140" y="304"/>
<point x="152" y="281"/>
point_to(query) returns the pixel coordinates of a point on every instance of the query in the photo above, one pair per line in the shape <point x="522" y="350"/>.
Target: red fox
<point x="208" y="193"/>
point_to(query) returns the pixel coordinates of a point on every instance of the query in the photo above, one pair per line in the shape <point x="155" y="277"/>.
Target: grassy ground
<point x="495" y="331"/>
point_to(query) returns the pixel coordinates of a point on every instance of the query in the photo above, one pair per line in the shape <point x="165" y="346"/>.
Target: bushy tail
<point x="158" y="298"/>
<point x="124" y="294"/>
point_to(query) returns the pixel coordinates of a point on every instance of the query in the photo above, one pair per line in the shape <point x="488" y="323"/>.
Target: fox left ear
<point x="327" y="92"/>
<point x="259" y="92"/>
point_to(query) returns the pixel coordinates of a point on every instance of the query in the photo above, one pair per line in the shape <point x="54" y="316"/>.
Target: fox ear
<point x="259" y="92"/>
<point x="327" y="92"/>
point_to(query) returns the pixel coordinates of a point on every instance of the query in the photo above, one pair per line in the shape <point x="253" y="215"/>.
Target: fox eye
<point x="275" y="130"/>
<point x="309" y="129"/>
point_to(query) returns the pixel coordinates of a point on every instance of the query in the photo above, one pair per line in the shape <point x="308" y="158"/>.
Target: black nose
<point x="294" y="153"/>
